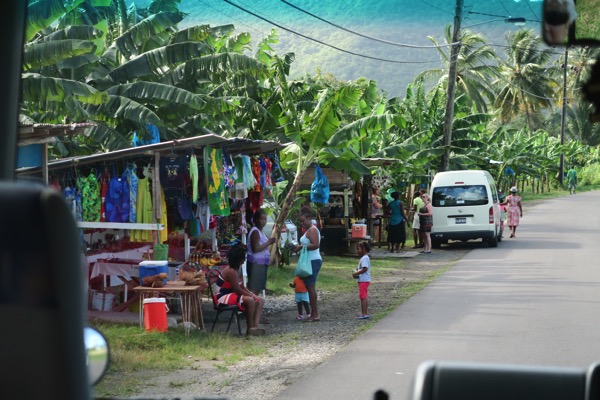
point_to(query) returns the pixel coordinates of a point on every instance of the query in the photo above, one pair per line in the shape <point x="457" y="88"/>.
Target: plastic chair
<point x="212" y="275"/>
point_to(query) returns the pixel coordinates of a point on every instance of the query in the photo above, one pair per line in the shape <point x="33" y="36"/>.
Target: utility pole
<point x="452" y="73"/>
<point x="563" y="117"/>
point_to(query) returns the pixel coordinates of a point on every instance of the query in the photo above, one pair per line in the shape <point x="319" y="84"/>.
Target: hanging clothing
<point x="144" y="211"/>
<point x="203" y="215"/>
<point x="172" y="170"/>
<point x="70" y="195"/>
<point x="164" y="234"/>
<point x="116" y="203"/>
<point x="217" y="194"/>
<point x="256" y="173"/>
<point x="194" y="177"/>
<point x="239" y="190"/>
<point x="105" y="182"/>
<point x="229" y="171"/>
<point x="90" y="197"/>
<point x="255" y="200"/>
<point x="132" y="180"/>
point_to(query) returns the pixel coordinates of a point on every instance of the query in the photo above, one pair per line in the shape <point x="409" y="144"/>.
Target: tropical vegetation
<point x="131" y="68"/>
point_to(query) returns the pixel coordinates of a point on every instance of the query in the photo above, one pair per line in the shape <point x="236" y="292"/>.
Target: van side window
<point x="452" y="196"/>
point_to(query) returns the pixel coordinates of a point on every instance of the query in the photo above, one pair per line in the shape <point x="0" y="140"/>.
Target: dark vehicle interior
<point x="449" y="196"/>
<point x="42" y="346"/>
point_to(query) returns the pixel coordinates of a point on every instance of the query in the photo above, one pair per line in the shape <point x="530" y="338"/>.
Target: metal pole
<point x="452" y="73"/>
<point x="563" y="118"/>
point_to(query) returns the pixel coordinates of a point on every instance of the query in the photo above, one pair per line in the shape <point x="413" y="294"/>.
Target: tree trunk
<point x="283" y="214"/>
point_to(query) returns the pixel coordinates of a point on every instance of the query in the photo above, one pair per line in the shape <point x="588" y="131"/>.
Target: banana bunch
<point x="213" y="260"/>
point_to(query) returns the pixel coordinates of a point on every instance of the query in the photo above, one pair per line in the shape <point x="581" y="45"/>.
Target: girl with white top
<point x="363" y="274"/>
<point x="312" y="240"/>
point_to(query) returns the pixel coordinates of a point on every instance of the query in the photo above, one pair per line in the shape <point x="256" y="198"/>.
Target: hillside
<point x="400" y="21"/>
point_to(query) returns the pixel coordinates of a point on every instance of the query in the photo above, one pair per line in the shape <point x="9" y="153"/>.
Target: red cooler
<point x="155" y="314"/>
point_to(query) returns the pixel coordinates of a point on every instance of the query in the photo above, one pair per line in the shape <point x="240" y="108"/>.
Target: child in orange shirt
<point x="301" y="297"/>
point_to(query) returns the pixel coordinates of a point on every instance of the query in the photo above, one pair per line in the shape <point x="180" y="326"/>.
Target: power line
<point x="436" y="7"/>
<point x="503" y="6"/>
<point x="232" y="18"/>
<point x="324" y="43"/>
<point x="531" y="9"/>
<point x="413" y="46"/>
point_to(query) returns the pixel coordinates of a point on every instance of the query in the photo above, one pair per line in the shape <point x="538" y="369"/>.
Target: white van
<point x="465" y="206"/>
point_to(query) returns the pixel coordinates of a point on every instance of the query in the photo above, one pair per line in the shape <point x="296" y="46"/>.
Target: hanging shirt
<point x="172" y="170"/>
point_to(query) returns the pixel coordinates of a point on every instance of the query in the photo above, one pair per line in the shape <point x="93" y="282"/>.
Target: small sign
<point x="460" y="221"/>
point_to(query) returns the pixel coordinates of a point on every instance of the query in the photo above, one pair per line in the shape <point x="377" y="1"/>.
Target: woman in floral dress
<point x="515" y="211"/>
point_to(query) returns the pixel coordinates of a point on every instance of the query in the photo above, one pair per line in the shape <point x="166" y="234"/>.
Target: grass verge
<point x="137" y="356"/>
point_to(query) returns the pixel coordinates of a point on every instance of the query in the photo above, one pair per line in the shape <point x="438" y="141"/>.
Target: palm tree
<point x="525" y="83"/>
<point x="475" y="67"/>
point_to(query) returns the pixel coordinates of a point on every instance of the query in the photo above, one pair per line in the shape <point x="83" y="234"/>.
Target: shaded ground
<point x="295" y="347"/>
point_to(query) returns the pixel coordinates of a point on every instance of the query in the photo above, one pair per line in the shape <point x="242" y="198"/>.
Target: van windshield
<point x="468" y="195"/>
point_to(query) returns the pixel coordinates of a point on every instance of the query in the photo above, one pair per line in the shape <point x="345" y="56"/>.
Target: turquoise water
<point x="400" y="21"/>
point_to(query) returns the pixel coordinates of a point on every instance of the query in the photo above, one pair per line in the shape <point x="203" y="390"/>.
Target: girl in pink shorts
<point x="363" y="274"/>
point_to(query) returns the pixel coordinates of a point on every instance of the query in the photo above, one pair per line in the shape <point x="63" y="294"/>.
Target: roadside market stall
<point x="186" y="199"/>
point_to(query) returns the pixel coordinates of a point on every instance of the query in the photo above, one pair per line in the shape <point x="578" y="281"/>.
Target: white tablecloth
<point x="122" y="268"/>
<point x="133" y="254"/>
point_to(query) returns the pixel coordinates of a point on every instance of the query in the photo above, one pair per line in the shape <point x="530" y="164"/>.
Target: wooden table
<point x="191" y="300"/>
<point x="125" y="270"/>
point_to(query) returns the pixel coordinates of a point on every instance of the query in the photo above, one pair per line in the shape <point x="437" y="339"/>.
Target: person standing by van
<point x="397" y="232"/>
<point x="515" y="211"/>
<point x="417" y="234"/>
<point x="426" y="222"/>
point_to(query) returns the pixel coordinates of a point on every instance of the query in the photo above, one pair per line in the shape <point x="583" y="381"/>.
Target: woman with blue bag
<point x="310" y="243"/>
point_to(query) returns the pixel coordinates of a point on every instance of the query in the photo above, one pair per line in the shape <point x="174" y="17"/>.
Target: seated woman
<point x="233" y="292"/>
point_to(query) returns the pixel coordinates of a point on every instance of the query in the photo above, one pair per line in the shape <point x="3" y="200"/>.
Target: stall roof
<point x="45" y="133"/>
<point x="233" y="145"/>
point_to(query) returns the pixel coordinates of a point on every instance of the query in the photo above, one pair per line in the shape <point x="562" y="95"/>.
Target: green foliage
<point x="43" y="54"/>
<point x="589" y="175"/>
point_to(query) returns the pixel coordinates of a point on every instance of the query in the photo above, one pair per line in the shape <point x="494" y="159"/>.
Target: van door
<point x="463" y="212"/>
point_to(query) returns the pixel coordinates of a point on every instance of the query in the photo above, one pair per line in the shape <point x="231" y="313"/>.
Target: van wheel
<point x="493" y="242"/>
<point x="436" y="244"/>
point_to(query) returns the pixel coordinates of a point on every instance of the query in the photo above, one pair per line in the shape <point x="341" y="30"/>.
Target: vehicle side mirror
<point x="97" y="354"/>
<point x="568" y="23"/>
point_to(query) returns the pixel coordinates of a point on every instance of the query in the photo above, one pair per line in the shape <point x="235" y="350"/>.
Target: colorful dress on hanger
<point x="143" y="211"/>
<point x="217" y="195"/>
<point x="90" y="197"/>
<point x="132" y="180"/>
<point x="116" y="203"/>
<point x="194" y="177"/>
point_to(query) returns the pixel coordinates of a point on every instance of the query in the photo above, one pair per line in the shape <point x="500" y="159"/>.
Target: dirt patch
<point x="296" y="347"/>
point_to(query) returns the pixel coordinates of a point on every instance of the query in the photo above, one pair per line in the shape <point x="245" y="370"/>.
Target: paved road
<point x="534" y="300"/>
